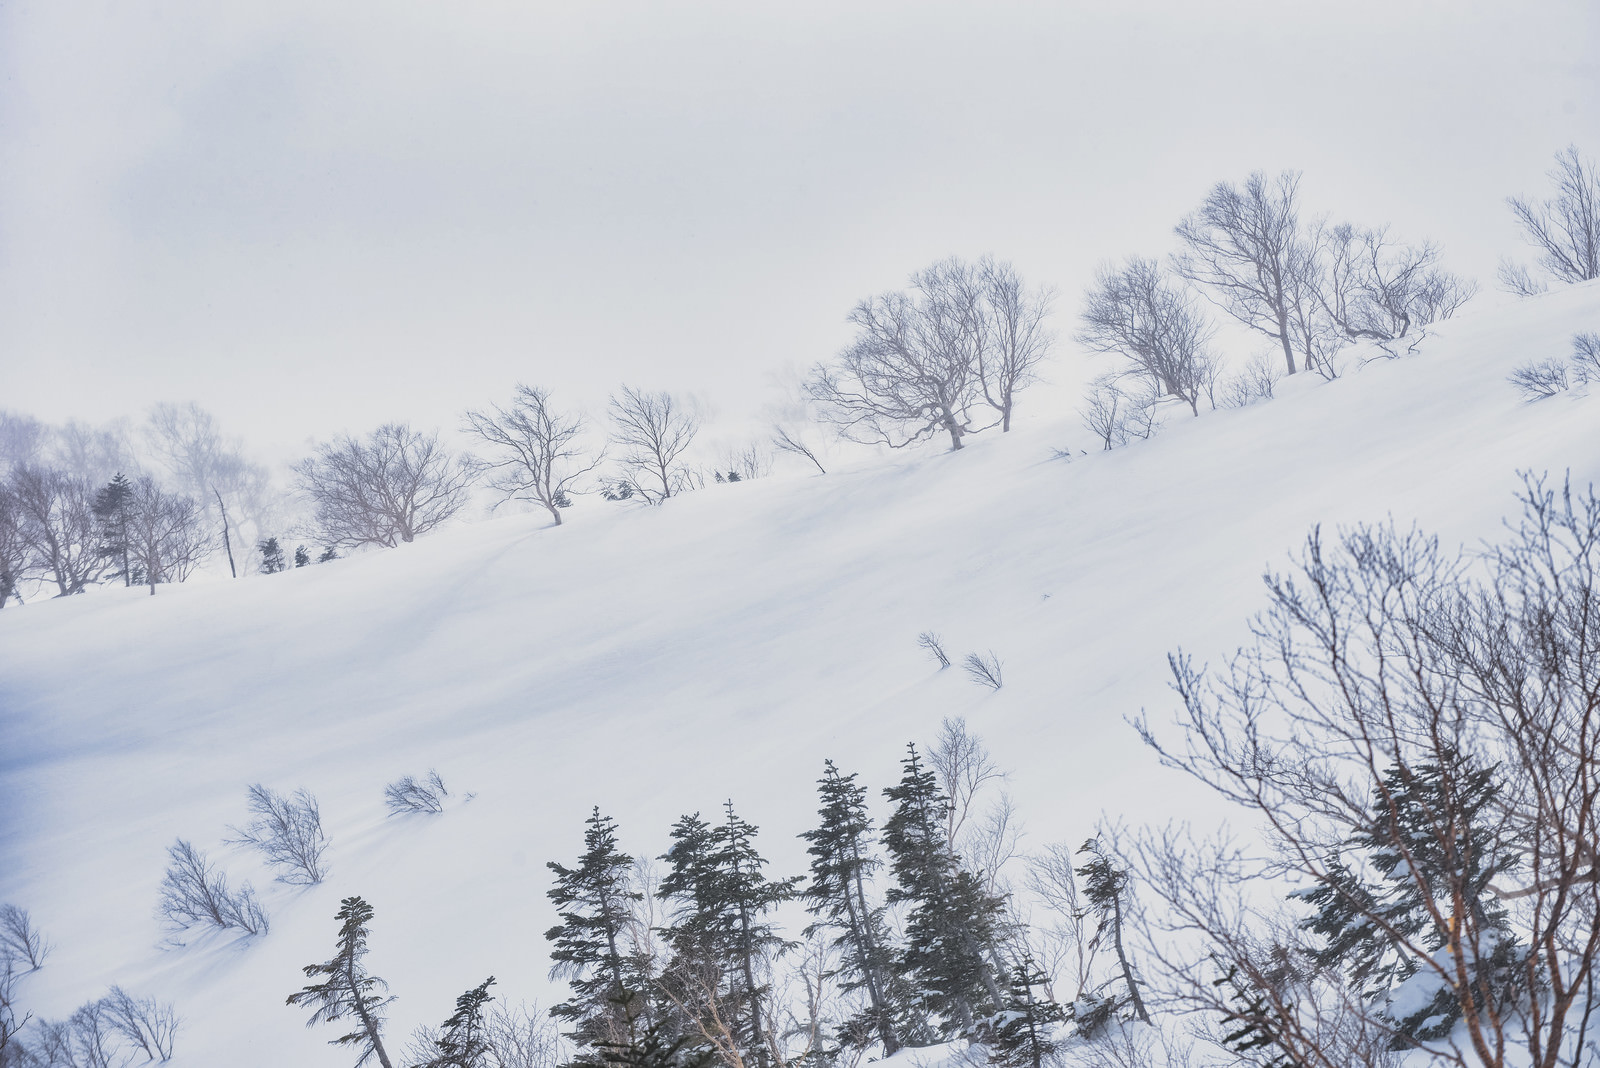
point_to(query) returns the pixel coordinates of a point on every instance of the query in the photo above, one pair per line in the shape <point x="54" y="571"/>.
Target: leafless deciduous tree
<point x="1246" y="248"/>
<point x="1586" y="356"/>
<point x="1134" y="312"/>
<point x="287" y="829"/>
<point x="984" y="669"/>
<point x="408" y="794"/>
<point x="146" y="1024"/>
<point x="651" y="432"/>
<point x="913" y="370"/>
<point x="166" y="536"/>
<point x="1565" y="230"/>
<point x="15" y="559"/>
<point x="1540" y="378"/>
<point x="536" y="450"/>
<point x="1255" y="381"/>
<point x="1015" y="338"/>
<point x="1419" y="734"/>
<point x="930" y="643"/>
<point x="195" y="893"/>
<point x="20" y="941"/>
<point x="1062" y="942"/>
<point x="1116" y="415"/>
<point x="229" y="487"/>
<point x="56" y="521"/>
<point x="963" y="766"/>
<point x="392" y="487"/>
<point x="1377" y="288"/>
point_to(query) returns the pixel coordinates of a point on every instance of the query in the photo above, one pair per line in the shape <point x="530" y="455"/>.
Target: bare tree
<point x="1374" y="287"/>
<point x="1540" y="378"/>
<point x="1564" y="230"/>
<point x="1417" y="732"/>
<point x="1245" y="247"/>
<point x="56" y="521"/>
<point x="1066" y="938"/>
<point x="651" y="432"/>
<point x="20" y="940"/>
<point x="165" y="534"/>
<point x="983" y="669"/>
<point x="536" y="452"/>
<point x="392" y="487"/>
<point x="1254" y="382"/>
<point x="913" y="370"/>
<point x="1585" y="358"/>
<point x="287" y="829"/>
<point x="407" y="794"/>
<point x="150" y="1025"/>
<point x="1134" y="312"/>
<point x="1016" y="340"/>
<point x="206" y="465"/>
<point x="15" y="559"/>
<point x="193" y="893"/>
<point x="1117" y="416"/>
<point x="963" y="766"/>
<point x="930" y="643"/>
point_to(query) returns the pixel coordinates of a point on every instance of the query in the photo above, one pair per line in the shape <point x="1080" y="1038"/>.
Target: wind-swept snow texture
<point x="656" y="661"/>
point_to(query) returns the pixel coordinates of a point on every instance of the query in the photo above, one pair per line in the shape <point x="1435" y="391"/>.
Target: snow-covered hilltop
<point x="656" y="661"/>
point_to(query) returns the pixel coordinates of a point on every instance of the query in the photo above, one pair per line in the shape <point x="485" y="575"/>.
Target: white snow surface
<point x="656" y="661"/>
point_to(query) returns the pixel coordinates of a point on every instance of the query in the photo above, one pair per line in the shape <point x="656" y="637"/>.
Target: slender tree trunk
<point x="227" y="543"/>
<point x="368" y="1025"/>
<point x="867" y="953"/>
<point x="1122" y="959"/>
<point x="1283" y="336"/>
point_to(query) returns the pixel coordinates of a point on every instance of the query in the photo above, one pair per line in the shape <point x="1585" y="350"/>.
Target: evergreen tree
<point x="841" y="862"/>
<point x="112" y="507"/>
<point x="721" y="943"/>
<point x="952" y="921"/>
<point x="651" y="1049"/>
<point x="302" y="556"/>
<point x="347" y="990"/>
<point x="1021" y="1033"/>
<point x="595" y="901"/>
<point x="271" y="557"/>
<point x="462" y="1043"/>
<point x="330" y="553"/>
<point x="1254" y="1034"/>
<point x="1430" y="844"/>
<point x="1105" y="890"/>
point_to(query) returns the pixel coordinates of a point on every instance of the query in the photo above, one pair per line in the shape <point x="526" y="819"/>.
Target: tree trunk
<point x="1122" y="959"/>
<point x="227" y="543"/>
<point x="1283" y="336"/>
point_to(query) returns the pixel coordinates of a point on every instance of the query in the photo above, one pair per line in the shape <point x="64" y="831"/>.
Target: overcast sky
<point x="314" y="217"/>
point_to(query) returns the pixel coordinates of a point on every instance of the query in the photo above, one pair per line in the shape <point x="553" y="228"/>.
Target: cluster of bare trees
<point x="947" y="356"/>
<point x="1417" y="734"/>
<point x="1564" y="229"/>
<point x="1311" y="287"/>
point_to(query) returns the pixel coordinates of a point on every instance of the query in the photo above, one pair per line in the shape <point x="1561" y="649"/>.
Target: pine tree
<point x="952" y="922"/>
<point x="302" y="556"/>
<point x="841" y="862"/>
<point x="1429" y="841"/>
<point x="1105" y="890"/>
<point x="1254" y="1033"/>
<point x="720" y="941"/>
<point x="328" y="554"/>
<point x="1021" y="1033"/>
<point x="651" y="1049"/>
<point x="271" y="557"/>
<point x="347" y="990"/>
<point x="462" y="1043"/>
<point x="112" y="506"/>
<point x="595" y="901"/>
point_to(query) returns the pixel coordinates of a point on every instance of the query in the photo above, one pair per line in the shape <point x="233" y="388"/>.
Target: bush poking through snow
<point x="288" y="832"/>
<point x="1540" y="379"/>
<point x="406" y="794"/>
<point x="1253" y="384"/>
<point x="20" y="940"/>
<point x="107" y="1033"/>
<point x="984" y="669"/>
<point x="930" y="643"/>
<point x="194" y="893"/>
<point x="1586" y="357"/>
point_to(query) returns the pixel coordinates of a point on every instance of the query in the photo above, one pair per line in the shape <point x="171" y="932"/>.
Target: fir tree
<point x="112" y="506"/>
<point x="952" y="921"/>
<point x="1105" y="890"/>
<point x="720" y="940"/>
<point x="328" y="554"/>
<point x="595" y="901"/>
<point x="347" y="990"/>
<point x="841" y="862"/>
<point x="271" y="557"/>
<point x="1429" y="842"/>
<point x="1254" y="1033"/>
<point x="462" y="1043"/>
<point x="302" y="556"/>
<point x="1020" y="1035"/>
<point x="651" y="1049"/>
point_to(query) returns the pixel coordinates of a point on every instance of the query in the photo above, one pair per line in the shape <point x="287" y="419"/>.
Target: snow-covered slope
<point x="657" y="661"/>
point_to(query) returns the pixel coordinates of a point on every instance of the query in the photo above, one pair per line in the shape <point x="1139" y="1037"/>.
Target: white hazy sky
<point x="318" y="216"/>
